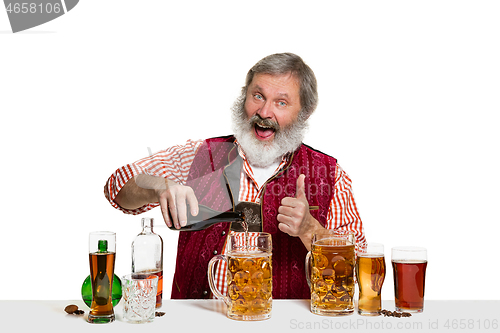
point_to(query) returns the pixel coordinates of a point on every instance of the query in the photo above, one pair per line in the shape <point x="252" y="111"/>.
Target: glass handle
<point x="211" y="274"/>
<point x="308" y="270"/>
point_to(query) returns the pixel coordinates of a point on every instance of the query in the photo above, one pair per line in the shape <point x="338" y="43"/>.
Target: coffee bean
<point x="396" y="314"/>
<point x="71" y="308"/>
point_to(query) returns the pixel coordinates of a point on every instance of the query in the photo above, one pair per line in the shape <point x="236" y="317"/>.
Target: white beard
<point x="263" y="154"/>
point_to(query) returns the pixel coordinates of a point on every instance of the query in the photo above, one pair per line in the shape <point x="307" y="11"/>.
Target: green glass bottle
<point x="116" y="291"/>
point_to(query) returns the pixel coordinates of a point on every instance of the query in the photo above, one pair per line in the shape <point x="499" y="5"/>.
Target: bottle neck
<point x="147" y="225"/>
<point x="234" y="216"/>
<point x="102" y="246"/>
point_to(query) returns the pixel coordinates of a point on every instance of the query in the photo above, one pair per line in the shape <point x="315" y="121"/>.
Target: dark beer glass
<point x="409" y="265"/>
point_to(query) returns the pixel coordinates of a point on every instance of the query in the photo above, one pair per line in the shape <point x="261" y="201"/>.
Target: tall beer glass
<point x="249" y="276"/>
<point x="409" y="265"/>
<point x="102" y="247"/>
<point x="330" y="273"/>
<point x="370" y="273"/>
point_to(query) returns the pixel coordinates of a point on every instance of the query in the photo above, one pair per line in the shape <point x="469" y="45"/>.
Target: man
<point x="284" y="187"/>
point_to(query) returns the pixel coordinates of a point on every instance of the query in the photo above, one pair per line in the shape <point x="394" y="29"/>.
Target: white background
<point x="409" y="103"/>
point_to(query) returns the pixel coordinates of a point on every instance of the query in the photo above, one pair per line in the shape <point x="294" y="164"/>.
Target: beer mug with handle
<point x="249" y="276"/>
<point x="330" y="273"/>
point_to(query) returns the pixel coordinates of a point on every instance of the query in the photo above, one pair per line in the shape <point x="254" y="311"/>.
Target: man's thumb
<point x="301" y="188"/>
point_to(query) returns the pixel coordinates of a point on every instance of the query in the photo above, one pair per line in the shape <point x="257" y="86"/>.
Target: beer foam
<point x="371" y="255"/>
<point x="249" y="254"/>
<point x="409" y="261"/>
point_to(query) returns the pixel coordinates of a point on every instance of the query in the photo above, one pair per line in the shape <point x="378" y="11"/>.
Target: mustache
<point x="256" y="119"/>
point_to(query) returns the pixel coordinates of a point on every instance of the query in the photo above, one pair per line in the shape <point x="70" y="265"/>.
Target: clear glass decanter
<point x="147" y="255"/>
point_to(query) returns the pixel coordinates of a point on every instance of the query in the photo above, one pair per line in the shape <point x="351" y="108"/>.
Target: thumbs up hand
<point x="301" y="189"/>
<point x="294" y="217"/>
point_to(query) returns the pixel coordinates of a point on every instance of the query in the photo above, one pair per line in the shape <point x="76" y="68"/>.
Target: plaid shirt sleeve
<point x="172" y="163"/>
<point x="343" y="213"/>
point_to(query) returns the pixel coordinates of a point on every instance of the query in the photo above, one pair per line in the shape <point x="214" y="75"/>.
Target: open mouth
<point x="263" y="131"/>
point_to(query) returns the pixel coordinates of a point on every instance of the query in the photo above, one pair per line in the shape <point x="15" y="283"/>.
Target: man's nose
<point x="266" y="110"/>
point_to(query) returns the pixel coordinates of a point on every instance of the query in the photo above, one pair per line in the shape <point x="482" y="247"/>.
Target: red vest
<point x="207" y="178"/>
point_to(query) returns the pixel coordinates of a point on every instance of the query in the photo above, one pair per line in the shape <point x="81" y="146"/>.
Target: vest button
<point x="215" y="252"/>
<point x="205" y="292"/>
<point x="223" y="233"/>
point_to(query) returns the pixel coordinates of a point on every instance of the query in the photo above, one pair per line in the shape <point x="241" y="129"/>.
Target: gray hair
<point x="284" y="63"/>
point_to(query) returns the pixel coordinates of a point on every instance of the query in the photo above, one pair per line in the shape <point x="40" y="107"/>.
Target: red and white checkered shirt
<point x="174" y="163"/>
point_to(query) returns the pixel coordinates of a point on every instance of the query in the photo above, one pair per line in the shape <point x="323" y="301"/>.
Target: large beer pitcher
<point x="249" y="276"/>
<point x="330" y="273"/>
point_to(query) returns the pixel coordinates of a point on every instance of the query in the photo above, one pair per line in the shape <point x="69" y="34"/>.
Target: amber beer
<point x="102" y="265"/>
<point x="331" y="276"/>
<point x="249" y="276"/>
<point x="409" y="265"/>
<point x="249" y="284"/>
<point x="370" y="273"/>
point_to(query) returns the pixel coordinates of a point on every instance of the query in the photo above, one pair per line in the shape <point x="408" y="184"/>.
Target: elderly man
<point x="285" y="188"/>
